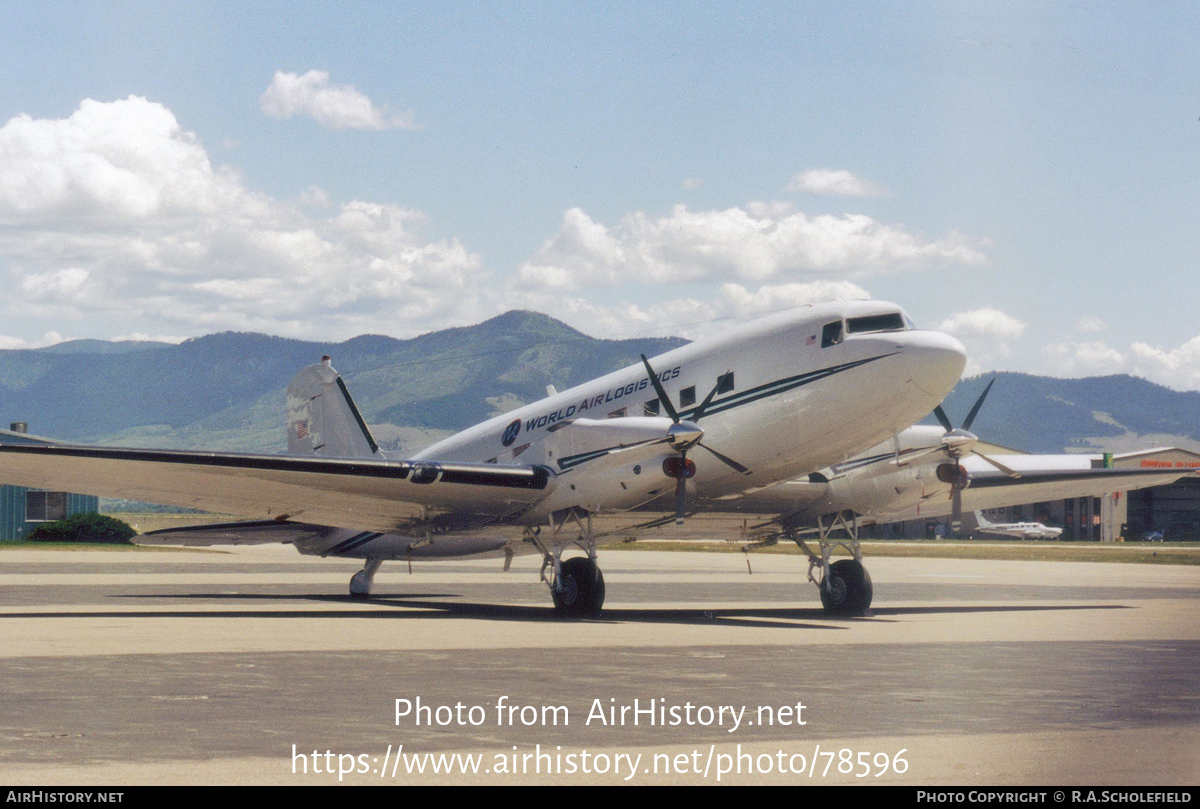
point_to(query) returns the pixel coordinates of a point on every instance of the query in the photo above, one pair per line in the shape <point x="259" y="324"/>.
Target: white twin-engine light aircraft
<point x="1021" y="530"/>
<point x="701" y="425"/>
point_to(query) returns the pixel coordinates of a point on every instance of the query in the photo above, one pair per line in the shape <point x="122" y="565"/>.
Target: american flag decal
<point x="302" y="429"/>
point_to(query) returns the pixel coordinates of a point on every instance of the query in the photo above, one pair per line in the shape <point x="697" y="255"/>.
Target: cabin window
<point x="45" y="506"/>
<point x="617" y="414"/>
<point x="831" y="335"/>
<point x="651" y="408"/>
<point x="687" y="396"/>
<point x="893" y="321"/>
<point x="725" y="382"/>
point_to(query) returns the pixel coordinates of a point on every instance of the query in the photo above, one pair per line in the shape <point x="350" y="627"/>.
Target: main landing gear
<point x="845" y="584"/>
<point x="576" y="584"/>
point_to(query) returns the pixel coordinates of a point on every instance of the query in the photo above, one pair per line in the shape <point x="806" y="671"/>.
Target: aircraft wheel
<point x="582" y="593"/>
<point x="360" y="586"/>
<point x="847" y="591"/>
<point x="363" y="581"/>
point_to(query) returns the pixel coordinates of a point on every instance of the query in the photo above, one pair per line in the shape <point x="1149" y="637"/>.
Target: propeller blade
<point x="681" y="491"/>
<point x="662" y="393"/>
<point x="941" y="417"/>
<point x="978" y="404"/>
<point x="730" y="462"/>
<point x="1012" y="473"/>
<point x="707" y="401"/>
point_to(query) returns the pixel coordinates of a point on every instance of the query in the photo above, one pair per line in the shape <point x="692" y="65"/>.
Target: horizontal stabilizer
<point x="14" y="437"/>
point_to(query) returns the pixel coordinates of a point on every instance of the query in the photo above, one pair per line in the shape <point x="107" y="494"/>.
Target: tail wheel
<point x="847" y="589"/>
<point x="582" y="591"/>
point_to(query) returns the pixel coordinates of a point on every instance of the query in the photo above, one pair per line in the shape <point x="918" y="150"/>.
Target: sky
<point x="1024" y="176"/>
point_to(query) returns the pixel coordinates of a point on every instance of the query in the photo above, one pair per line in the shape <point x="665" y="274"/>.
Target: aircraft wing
<point x="880" y="491"/>
<point x="369" y="494"/>
<point x="991" y="488"/>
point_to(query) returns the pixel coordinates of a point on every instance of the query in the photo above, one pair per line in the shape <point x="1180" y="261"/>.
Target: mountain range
<point x="226" y="391"/>
<point x="1117" y="413"/>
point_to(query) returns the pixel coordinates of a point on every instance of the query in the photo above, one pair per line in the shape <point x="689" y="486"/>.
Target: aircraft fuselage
<point x="791" y="397"/>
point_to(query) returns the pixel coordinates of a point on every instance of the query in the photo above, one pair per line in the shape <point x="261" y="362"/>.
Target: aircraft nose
<point x="935" y="361"/>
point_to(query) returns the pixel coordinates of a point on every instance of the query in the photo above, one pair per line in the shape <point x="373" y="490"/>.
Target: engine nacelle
<point x="954" y="474"/>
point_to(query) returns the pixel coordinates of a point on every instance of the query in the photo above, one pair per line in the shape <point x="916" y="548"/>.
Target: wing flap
<point x="255" y="532"/>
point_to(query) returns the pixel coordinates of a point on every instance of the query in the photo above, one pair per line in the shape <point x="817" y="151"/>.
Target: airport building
<point x="23" y="509"/>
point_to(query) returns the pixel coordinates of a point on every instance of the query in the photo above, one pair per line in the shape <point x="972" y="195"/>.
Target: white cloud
<point x="1177" y="368"/>
<point x="117" y="214"/>
<point x="684" y="316"/>
<point x="57" y="285"/>
<point x="735" y="299"/>
<point x="1090" y="324"/>
<point x="835" y="183"/>
<point x="313" y="197"/>
<point x="117" y="211"/>
<point x="986" y="333"/>
<point x="108" y="162"/>
<point x="693" y="184"/>
<point x="985" y="323"/>
<point x="142" y="337"/>
<point x="1084" y="359"/>
<point x="50" y="338"/>
<point x="761" y="243"/>
<point x="333" y="106"/>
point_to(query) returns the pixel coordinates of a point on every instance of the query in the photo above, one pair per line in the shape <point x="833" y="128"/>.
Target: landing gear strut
<point x="362" y="581"/>
<point x="845" y="584"/>
<point x="576" y="584"/>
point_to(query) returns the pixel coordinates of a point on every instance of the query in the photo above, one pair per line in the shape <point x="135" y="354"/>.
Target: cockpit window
<point x="831" y="335"/>
<point x="893" y="321"/>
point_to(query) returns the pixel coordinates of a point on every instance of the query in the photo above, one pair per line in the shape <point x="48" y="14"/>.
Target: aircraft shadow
<point x="418" y="606"/>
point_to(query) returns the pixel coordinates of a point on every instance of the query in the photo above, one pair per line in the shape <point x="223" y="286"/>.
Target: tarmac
<point x="254" y="667"/>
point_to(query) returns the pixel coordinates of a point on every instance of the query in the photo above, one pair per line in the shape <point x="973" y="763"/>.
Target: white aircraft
<point x="708" y="422"/>
<point x="927" y="471"/>
<point x="1021" y="530"/>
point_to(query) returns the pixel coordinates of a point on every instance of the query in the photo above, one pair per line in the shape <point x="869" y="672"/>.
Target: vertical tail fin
<point x="981" y="522"/>
<point x="323" y="419"/>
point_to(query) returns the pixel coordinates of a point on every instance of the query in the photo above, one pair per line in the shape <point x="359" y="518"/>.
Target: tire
<point x="848" y="590"/>
<point x="582" y="593"/>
